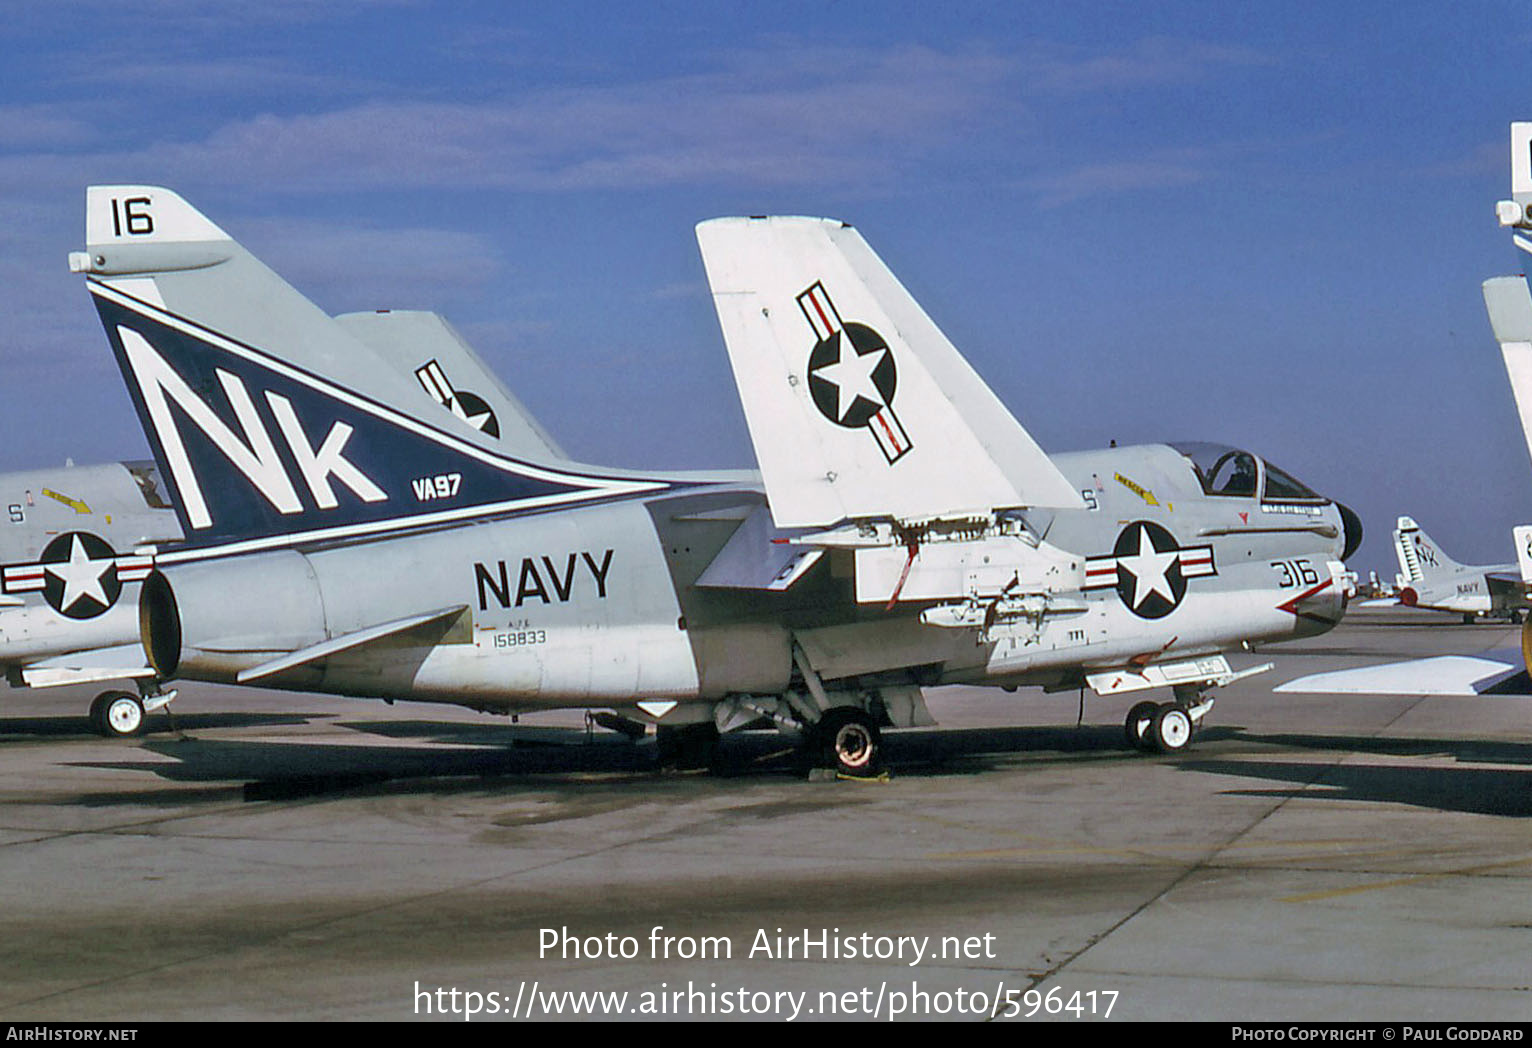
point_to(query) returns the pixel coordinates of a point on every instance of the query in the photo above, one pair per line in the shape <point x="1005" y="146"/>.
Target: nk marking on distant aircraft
<point x="1428" y="578"/>
<point x="904" y="532"/>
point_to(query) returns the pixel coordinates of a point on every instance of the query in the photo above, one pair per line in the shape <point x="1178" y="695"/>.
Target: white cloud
<point x="41" y="127"/>
<point x="1146" y="62"/>
<point x="791" y="117"/>
<point x="1107" y="179"/>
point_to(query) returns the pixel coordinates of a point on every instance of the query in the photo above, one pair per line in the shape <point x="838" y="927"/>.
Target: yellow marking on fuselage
<point x="1137" y="489"/>
<point x="74" y="504"/>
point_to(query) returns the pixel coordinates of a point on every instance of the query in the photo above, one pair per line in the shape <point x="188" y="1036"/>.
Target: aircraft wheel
<point x="1136" y="728"/>
<point x="1172" y="729"/>
<point x="1468" y="618"/>
<point x="117" y="714"/>
<point x="850" y="742"/>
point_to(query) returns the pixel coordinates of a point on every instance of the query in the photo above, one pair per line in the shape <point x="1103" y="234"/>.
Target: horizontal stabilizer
<point x="858" y="406"/>
<point x="120" y="662"/>
<point x="345" y="642"/>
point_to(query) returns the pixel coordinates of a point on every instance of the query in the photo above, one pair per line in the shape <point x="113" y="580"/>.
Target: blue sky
<point x="1254" y="223"/>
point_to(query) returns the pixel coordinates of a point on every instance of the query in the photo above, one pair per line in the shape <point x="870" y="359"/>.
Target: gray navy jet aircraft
<point x="76" y="542"/>
<point x="905" y="531"/>
<point x="1429" y="578"/>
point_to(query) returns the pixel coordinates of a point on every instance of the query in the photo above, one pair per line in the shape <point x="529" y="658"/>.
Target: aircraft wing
<point x="1493" y="673"/>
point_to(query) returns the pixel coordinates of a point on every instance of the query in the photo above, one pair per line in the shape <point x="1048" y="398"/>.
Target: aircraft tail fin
<point x="453" y="376"/>
<point x="269" y="421"/>
<point x="1521" y="535"/>
<point x="1509" y="303"/>
<point x="858" y="406"/>
<point x="1517" y="212"/>
<point x="1421" y="559"/>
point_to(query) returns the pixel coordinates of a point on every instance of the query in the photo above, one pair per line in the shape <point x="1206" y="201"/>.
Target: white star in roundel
<point x="851" y="376"/>
<point x="476" y="419"/>
<point x="80" y="575"/>
<point x="1149" y="567"/>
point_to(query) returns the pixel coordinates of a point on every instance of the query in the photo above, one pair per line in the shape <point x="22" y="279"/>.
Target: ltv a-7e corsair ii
<point x="76" y="542"/>
<point x="904" y="531"/>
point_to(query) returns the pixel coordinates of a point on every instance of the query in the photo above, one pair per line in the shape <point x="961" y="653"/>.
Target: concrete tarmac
<point x="277" y="856"/>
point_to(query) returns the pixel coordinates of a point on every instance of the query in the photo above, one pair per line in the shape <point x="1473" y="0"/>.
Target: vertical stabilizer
<point x="858" y="406"/>
<point x="271" y="422"/>
<point x="1510" y="315"/>
<point x="1421" y="558"/>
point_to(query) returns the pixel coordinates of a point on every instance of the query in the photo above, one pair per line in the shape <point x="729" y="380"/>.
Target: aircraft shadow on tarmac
<point x="1478" y="791"/>
<point x="60" y="727"/>
<point x="427" y="755"/>
<point x="284" y="770"/>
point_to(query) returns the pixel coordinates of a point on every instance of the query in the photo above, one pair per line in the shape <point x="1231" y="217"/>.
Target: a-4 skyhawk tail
<point x="1430" y="579"/>
<point x="917" y="537"/>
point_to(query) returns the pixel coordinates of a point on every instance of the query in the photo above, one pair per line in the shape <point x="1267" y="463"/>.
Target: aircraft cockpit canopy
<point x="1233" y="473"/>
<point x="150" y="484"/>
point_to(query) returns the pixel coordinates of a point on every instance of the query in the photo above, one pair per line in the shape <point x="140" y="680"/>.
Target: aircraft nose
<point x="1352" y="524"/>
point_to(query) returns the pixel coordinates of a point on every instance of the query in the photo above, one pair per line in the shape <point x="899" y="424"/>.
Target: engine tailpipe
<point x="159" y="625"/>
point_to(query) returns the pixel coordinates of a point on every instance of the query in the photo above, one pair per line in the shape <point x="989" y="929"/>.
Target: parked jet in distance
<point x="377" y="554"/>
<point x="71" y="562"/>
<point x="1430" y="579"/>
<point x="76" y="542"/>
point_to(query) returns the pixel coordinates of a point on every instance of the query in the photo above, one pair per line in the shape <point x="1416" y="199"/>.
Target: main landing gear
<point x="1166" y="727"/>
<point x="847" y="739"/>
<point x="121" y="714"/>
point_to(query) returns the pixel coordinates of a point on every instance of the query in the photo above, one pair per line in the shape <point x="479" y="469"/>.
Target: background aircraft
<point x="1509" y="303"/>
<point x="1429" y="578"/>
<point x="906" y="544"/>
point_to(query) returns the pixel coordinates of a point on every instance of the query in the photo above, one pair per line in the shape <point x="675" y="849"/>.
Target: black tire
<point x="849" y="741"/>
<point x="1172" y="729"/>
<point x="118" y="714"/>
<point x="1136" y="728"/>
